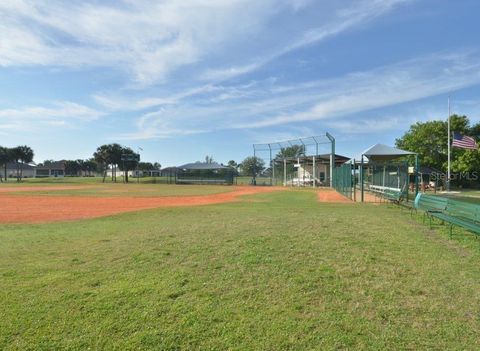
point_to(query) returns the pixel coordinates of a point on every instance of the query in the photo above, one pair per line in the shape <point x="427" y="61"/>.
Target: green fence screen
<point x="343" y="180"/>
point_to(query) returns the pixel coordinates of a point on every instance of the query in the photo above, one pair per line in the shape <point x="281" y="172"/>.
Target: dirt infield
<point x="330" y="195"/>
<point x="41" y="209"/>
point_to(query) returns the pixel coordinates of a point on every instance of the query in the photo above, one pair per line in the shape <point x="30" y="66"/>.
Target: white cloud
<point x="327" y="100"/>
<point x="356" y="14"/>
<point x="59" y="114"/>
<point x="150" y="39"/>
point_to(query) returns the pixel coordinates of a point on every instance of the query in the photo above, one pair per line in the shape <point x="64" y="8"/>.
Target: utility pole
<point x="449" y="148"/>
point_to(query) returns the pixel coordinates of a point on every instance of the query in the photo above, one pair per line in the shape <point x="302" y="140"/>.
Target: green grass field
<point x="276" y="271"/>
<point x="126" y="190"/>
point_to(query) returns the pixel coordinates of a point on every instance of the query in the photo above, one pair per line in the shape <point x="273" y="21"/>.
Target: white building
<point x="24" y="170"/>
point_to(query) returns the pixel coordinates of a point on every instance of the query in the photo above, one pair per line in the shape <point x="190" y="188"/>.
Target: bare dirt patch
<point x="330" y="195"/>
<point x="40" y="209"/>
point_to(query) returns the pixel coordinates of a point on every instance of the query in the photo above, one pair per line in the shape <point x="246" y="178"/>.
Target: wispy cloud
<point x="63" y="114"/>
<point x="356" y="14"/>
<point x="326" y="100"/>
<point x="149" y="39"/>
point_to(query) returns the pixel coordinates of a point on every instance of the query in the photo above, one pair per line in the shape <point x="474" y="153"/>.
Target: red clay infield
<point x="40" y="209"/>
<point x="330" y="195"/>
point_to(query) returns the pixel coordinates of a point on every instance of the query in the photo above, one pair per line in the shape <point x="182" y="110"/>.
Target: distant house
<point x="168" y="171"/>
<point x="152" y="173"/>
<point x="135" y="173"/>
<point x="117" y="173"/>
<point x="26" y="170"/>
<point x="51" y="169"/>
<point x="145" y="173"/>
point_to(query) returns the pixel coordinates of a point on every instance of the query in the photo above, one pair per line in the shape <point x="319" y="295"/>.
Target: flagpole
<point x="449" y="151"/>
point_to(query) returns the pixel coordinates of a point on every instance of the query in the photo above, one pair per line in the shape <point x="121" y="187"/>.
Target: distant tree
<point x="209" y="159"/>
<point x="291" y="152"/>
<point x="72" y="167"/>
<point x="429" y="140"/>
<point x="22" y="154"/>
<point x="157" y="166"/>
<point x="116" y="151"/>
<point x="103" y="157"/>
<point x="89" y="166"/>
<point x="475" y="131"/>
<point x="233" y="166"/>
<point x="46" y="163"/>
<point x="6" y="156"/>
<point x="145" y="166"/>
<point x="126" y="166"/>
<point x="111" y="154"/>
<point x="251" y="166"/>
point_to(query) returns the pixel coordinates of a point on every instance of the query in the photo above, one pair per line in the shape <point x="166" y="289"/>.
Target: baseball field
<point x="138" y="266"/>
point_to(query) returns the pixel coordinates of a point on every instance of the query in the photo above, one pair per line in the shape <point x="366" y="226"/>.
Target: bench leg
<point x="451" y="231"/>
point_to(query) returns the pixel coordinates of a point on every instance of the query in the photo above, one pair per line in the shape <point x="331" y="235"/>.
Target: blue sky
<point x="188" y="78"/>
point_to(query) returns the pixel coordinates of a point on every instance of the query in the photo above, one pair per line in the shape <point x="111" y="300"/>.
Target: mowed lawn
<point x="276" y="271"/>
<point x="118" y="189"/>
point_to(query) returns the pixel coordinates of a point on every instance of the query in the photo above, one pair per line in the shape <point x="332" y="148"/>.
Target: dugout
<point x="305" y="171"/>
<point x="204" y="173"/>
<point x="297" y="162"/>
<point x="384" y="168"/>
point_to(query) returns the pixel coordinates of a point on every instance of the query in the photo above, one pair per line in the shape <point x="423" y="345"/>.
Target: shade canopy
<point x="381" y="152"/>
<point x="202" y="166"/>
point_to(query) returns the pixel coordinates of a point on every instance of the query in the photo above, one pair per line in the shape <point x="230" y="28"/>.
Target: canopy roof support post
<point x="361" y="180"/>
<point x="284" y="172"/>
<point x="416" y="175"/>
<point x="332" y="158"/>
<point x="254" y="181"/>
<point x="272" y="173"/>
<point x="354" y="181"/>
<point x="313" y="172"/>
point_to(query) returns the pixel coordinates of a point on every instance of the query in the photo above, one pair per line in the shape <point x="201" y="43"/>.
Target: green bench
<point x="387" y="193"/>
<point x="393" y="195"/>
<point x="454" y="212"/>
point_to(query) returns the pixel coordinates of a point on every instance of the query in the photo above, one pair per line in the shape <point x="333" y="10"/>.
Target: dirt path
<point x="330" y="195"/>
<point x="40" y="209"/>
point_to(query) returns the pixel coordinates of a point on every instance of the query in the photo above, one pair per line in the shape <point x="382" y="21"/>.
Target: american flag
<point x="464" y="141"/>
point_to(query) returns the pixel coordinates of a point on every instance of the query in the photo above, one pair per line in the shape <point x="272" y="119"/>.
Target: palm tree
<point x="16" y="154"/>
<point x="116" y="151"/>
<point x="5" y="157"/>
<point x="103" y="157"/>
<point x="23" y="154"/>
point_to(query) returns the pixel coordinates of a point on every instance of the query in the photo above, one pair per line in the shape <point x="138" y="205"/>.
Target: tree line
<point x="18" y="155"/>
<point x="113" y="156"/>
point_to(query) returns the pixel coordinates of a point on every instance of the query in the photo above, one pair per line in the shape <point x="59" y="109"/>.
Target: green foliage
<point x="111" y="154"/>
<point x="291" y="152"/>
<point x="6" y="156"/>
<point x="21" y="154"/>
<point x="252" y="166"/>
<point x="430" y="141"/>
<point x="145" y="166"/>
